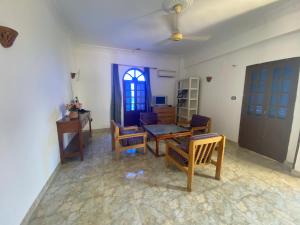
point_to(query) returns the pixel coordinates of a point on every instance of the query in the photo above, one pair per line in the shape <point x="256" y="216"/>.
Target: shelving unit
<point x="187" y="98"/>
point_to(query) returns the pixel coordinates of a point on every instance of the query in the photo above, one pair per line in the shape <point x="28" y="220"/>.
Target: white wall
<point x="297" y="164"/>
<point x="229" y="81"/>
<point x="34" y="85"/>
<point x="94" y="84"/>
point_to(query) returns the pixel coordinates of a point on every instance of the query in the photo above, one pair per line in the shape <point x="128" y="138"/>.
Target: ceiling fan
<point x="175" y="8"/>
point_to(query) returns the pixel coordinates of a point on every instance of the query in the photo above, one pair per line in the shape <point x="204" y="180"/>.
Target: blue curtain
<point x="116" y="98"/>
<point x="148" y="89"/>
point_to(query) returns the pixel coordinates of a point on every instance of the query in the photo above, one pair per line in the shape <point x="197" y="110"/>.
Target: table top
<point x="161" y="129"/>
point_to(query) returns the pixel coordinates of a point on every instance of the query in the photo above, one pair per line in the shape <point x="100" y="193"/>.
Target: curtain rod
<point x="154" y="68"/>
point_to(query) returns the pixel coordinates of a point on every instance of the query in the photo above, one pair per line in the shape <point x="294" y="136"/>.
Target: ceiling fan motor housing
<point x="170" y="5"/>
<point x="177" y="36"/>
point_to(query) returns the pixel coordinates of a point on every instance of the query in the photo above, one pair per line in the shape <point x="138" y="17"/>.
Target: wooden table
<point x="76" y="145"/>
<point x="163" y="132"/>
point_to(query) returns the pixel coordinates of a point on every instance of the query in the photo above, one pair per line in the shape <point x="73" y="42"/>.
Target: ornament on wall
<point x="208" y="78"/>
<point x="7" y="36"/>
<point x="73" y="75"/>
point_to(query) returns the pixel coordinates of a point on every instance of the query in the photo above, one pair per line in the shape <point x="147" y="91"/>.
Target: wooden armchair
<point x="198" y="152"/>
<point x="198" y="125"/>
<point x="148" y="118"/>
<point x="124" y="138"/>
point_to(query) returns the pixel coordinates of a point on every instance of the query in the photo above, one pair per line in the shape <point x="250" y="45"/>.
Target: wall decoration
<point x="7" y="36"/>
<point x="208" y="78"/>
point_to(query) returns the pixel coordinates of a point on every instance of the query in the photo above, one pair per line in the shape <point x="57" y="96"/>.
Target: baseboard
<point x="295" y="173"/>
<point x="101" y="130"/>
<point x="36" y="202"/>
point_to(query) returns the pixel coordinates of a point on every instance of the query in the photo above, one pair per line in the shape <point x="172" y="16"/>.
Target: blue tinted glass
<point x="132" y="107"/>
<point x="258" y="110"/>
<point x="276" y="73"/>
<point x="253" y="76"/>
<point x="250" y="109"/>
<point x="259" y="99"/>
<point x="273" y="100"/>
<point x="284" y="100"/>
<point x="272" y="112"/>
<point x="127" y="107"/>
<point x="263" y="74"/>
<point x="286" y="85"/>
<point x="276" y="86"/>
<point x="142" y="106"/>
<point x="261" y="86"/>
<point x="253" y="87"/>
<point x="288" y="72"/>
<point x="282" y="113"/>
<point x="251" y="100"/>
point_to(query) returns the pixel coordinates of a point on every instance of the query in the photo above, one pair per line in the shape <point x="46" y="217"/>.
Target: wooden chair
<point x="148" y="118"/>
<point x="124" y="138"/>
<point x="198" y="124"/>
<point x="198" y="152"/>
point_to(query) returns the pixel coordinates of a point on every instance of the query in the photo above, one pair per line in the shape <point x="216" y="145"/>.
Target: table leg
<point x="157" y="147"/>
<point x="90" y="125"/>
<point x="81" y="145"/>
<point x="61" y="147"/>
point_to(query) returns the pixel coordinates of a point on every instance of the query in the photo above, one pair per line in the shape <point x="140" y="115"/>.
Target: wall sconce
<point x="7" y="36"/>
<point x="73" y="75"/>
<point x="208" y="78"/>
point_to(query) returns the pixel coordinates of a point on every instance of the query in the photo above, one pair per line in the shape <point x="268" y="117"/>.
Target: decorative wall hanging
<point x="7" y="36"/>
<point x="73" y="75"/>
<point x="208" y="79"/>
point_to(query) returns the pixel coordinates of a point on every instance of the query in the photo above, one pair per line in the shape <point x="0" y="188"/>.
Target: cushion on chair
<point x="199" y="121"/>
<point x="131" y="141"/>
<point x="203" y="136"/>
<point x="177" y="157"/>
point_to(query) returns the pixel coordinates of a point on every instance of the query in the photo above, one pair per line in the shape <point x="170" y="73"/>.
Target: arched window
<point x="134" y="90"/>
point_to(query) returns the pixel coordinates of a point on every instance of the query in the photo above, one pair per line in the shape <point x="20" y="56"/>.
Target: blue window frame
<point x="134" y="90"/>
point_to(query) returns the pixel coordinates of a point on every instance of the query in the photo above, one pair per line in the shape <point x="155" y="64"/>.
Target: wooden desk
<point x="76" y="145"/>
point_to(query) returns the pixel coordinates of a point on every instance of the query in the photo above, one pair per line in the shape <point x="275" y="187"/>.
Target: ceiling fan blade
<point x="196" y="38"/>
<point x="164" y="42"/>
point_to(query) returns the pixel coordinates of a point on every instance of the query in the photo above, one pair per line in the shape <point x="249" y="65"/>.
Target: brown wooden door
<point x="268" y="107"/>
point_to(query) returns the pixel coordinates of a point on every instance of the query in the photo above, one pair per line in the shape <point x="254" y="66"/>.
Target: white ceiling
<point x="135" y="24"/>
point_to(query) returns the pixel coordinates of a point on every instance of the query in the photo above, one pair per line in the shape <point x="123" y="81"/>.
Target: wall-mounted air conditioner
<point x="166" y="73"/>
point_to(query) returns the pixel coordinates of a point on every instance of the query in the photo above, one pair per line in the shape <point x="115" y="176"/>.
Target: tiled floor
<point x="140" y="189"/>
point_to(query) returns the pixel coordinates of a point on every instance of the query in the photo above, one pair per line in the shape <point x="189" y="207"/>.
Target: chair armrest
<point x="128" y="136"/>
<point x="130" y="128"/>
<point x="177" y="149"/>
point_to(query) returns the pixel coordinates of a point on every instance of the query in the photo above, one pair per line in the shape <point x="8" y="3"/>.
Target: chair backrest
<point x="148" y="118"/>
<point x="201" y="121"/>
<point x="202" y="147"/>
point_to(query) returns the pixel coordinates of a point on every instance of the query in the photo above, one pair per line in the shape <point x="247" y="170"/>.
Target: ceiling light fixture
<point x="170" y="5"/>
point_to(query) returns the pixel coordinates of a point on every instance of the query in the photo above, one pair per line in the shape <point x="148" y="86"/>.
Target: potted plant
<point x="73" y="108"/>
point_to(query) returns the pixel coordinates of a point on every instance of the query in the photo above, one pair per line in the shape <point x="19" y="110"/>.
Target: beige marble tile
<point x="139" y="189"/>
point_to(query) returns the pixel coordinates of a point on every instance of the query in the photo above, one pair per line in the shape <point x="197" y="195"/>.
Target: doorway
<point x="134" y="96"/>
<point x="268" y="107"/>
